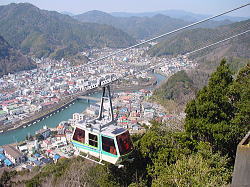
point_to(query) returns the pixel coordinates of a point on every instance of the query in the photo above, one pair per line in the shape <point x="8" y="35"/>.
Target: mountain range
<point x="48" y="33"/>
<point x="142" y="27"/>
<point x="28" y="30"/>
<point x="178" y="14"/>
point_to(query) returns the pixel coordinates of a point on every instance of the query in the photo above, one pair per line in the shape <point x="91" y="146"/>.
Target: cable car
<point x="101" y="139"/>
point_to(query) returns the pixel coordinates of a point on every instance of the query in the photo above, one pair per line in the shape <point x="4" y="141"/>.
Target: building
<point x="45" y="132"/>
<point x="13" y="154"/>
<point x="78" y="117"/>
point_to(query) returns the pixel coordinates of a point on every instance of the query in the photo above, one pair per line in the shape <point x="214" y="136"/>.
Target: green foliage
<point x="164" y="157"/>
<point x="161" y="146"/>
<point x="239" y="94"/>
<point x="178" y="87"/>
<point x="212" y="115"/>
<point x="195" y="170"/>
<point x="33" y="183"/>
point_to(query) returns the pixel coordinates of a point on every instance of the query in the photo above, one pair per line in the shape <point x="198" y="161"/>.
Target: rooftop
<point x="108" y="128"/>
<point x="12" y="151"/>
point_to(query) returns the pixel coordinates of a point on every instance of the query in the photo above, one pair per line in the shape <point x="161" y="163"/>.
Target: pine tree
<point x="209" y="115"/>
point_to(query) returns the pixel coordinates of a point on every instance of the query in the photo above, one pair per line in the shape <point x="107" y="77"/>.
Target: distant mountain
<point x="137" y="27"/>
<point x="141" y="27"/>
<point x="193" y="39"/>
<point x="178" y="14"/>
<point x="12" y="60"/>
<point x="67" y="13"/>
<point x="48" y="33"/>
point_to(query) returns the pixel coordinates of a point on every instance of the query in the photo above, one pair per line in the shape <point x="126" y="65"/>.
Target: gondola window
<point x="79" y="135"/>
<point x="93" y="140"/>
<point x="108" y="145"/>
<point x="124" y="143"/>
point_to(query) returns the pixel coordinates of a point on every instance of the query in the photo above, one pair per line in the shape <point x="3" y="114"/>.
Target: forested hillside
<point x="200" y="155"/>
<point x="12" y="60"/>
<point x="235" y="51"/>
<point x="179" y="88"/>
<point x="187" y="41"/>
<point x="46" y="33"/>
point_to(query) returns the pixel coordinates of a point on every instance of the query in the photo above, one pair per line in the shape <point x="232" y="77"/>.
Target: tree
<point x="200" y="169"/>
<point x="215" y="114"/>
<point x="239" y="94"/>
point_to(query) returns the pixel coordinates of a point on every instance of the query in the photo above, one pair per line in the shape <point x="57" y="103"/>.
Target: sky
<point x="208" y="7"/>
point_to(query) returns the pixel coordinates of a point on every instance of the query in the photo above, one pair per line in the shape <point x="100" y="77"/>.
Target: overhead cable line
<point x="168" y="33"/>
<point x="222" y="35"/>
<point x="157" y="65"/>
<point x="210" y="45"/>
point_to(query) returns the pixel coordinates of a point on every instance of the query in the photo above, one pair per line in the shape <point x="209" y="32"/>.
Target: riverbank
<point x="68" y="101"/>
<point x="20" y="134"/>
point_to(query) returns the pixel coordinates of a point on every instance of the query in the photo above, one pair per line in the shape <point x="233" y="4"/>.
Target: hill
<point x="187" y="41"/>
<point x="183" y="86"/>
<point x="48" y="33"/>
<point x="176" y="91"/>
<point x="12" y="60"/>
<point x="141" y="27"/>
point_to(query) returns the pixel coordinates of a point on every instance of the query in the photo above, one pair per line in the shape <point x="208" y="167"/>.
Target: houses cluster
<point x="172" y="65"/>
<point x="131" y="111"/>
<point x="24" y="93"/>
<point x="136" y="56"/>
<point x="47" y="146"/>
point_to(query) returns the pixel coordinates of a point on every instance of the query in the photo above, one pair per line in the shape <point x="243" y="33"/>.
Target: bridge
<point x="89" y="98"/>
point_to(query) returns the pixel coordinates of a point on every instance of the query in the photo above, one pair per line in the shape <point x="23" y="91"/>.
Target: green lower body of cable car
<point x="103" y="149"/>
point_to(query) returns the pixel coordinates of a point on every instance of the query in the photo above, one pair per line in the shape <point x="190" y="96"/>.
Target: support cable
<point x="168" y="33"/>
<point x="210" y="45"/>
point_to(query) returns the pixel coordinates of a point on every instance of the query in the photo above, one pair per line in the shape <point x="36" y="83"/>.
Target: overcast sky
<point x="209" y="7"/>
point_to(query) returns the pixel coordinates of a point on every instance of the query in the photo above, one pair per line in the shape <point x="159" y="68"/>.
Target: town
<point x="25" y="93"/>
<point x="131" y="109"/>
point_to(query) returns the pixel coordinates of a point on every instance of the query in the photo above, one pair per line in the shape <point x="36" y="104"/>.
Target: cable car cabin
<point x="106" y="142"/>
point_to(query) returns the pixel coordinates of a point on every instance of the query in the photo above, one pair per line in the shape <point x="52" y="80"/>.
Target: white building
<point x="78" y="117"/>
<point x="13" y="154"/>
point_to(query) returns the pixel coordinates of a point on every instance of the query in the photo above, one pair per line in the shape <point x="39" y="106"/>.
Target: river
<point x="79" y="106"/>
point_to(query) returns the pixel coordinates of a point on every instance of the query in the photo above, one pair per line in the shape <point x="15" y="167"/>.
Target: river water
<point x="79" y="106"/>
